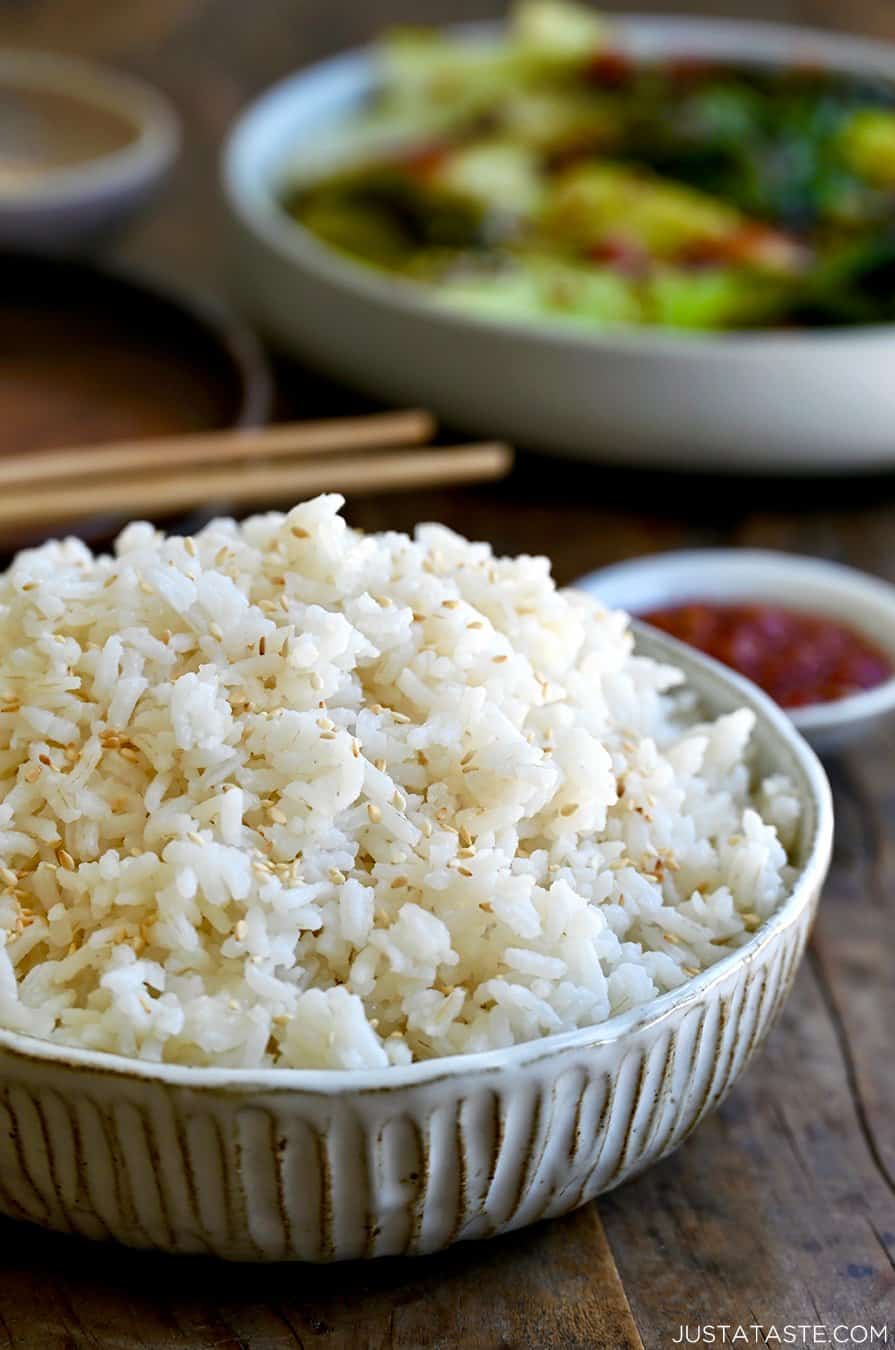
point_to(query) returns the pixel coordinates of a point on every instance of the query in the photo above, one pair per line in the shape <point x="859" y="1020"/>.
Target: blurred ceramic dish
<point x="784" y="402"/>
<point x="81" y="148"/>
<point x="298" y="1164"/>
<point x="93" y="354"/>
<point x="813" y="585"/>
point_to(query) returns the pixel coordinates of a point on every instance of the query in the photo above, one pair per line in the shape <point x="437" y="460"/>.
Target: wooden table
<point x="781" y="1209"/>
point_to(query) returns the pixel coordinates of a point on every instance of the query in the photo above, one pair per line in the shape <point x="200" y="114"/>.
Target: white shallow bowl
<point x="814" y="585"/>
<point x="283" y="1164"/>
<point x="75" y="202"/>
<point x="794" y="402"/>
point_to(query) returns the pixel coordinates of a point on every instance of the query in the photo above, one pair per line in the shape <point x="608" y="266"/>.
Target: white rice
<point x="289" y="794"/>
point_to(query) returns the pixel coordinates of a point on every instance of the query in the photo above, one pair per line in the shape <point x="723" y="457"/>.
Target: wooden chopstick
<point x="288" y="439"/>
<point x="249" y="484"/>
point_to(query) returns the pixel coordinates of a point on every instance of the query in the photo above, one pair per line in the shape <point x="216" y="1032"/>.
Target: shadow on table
<point x="555" y="1283"/>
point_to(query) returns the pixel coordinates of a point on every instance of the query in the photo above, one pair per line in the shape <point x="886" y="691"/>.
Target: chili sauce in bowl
<point x="815" y="635"/>
<point x="799" y="659"/>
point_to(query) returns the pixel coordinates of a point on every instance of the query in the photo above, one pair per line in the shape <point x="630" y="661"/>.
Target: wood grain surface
<point x="780" y="1210"/>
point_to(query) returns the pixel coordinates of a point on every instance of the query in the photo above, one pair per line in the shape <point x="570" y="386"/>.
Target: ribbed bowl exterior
<point x="284" y="1165"/>
<point x="292" y="1175"/>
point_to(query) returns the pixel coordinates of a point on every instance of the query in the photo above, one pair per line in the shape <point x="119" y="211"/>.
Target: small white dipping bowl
<point x="291" y="1164"/>
<point x="811" y="401"/>
<point x="811" y="585"/>
<point x="81" y="147"/>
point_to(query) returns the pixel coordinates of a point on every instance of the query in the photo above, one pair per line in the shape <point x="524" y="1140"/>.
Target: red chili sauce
<point x="796" y="658"/>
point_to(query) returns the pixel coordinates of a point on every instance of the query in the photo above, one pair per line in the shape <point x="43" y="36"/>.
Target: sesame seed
<point x="397" y="883"/>
<point x="299" y="533"/>
<point x="374" y="812"/>
<point x="194" y="837"/>
<point x="466" y="758"/>
<point x="262" y="646"/>
<point x="190" y="546"/>
<point x="109" y="581"/>
<point x="130" y="753"/>
<point x="32" y="773"/>
<point x="64" y="859"/>
<point x="498" y="659"/>
<point x="569" y="809"/>
<point x="45" y="759"/>
<point x="336" y="876"/>
<point x="380" y="765"/>
<point x="450" y="604"/>
<point x="465" y="837"/>
<point x="464" y="871"/>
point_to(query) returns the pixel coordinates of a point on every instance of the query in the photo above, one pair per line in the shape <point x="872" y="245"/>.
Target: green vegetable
<point x="547" y="175"/>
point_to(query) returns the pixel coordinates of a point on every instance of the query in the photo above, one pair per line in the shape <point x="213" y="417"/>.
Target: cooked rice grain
<point x="289" y="794"/>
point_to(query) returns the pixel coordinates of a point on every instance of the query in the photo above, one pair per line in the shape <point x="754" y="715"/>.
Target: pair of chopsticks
<point x="384" y="452"/>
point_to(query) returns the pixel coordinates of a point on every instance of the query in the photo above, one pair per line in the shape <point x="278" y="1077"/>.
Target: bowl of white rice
<point x="366" y="893"/>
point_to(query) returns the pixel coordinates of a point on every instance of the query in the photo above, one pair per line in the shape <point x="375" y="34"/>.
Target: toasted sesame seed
<point x="45" y="759"/>
<point x="569" y="809"/>
<point x="64" y="859"/>
<point x="466" y="758"/>
<point x="498" y="659"/>
<point x="487" y="906"/>
<point x="464" y="871"/>
<point x="374" y="812"/>
<point x="397" y="883"/>
<point x="262" y="646"/>
<point x="299" y="533"/>
<point x="336" y="876"/>
<point x="450" y="604"/>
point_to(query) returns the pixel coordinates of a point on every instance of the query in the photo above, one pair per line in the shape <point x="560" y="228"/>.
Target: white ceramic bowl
<point x="751" y="402"/>
<point x="814" y="585"/>
<point x="291" y="1164"/>
<point x="76" y="201"/>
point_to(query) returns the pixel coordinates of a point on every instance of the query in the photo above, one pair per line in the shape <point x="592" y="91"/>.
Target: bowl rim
<point x="155" y="144"/>
<point x="814" y="717"/>
<point x="252" y="193"/>
<point x="815" y="795"/>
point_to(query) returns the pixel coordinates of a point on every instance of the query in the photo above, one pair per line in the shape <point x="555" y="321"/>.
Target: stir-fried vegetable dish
<point x="549" y="174"/>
